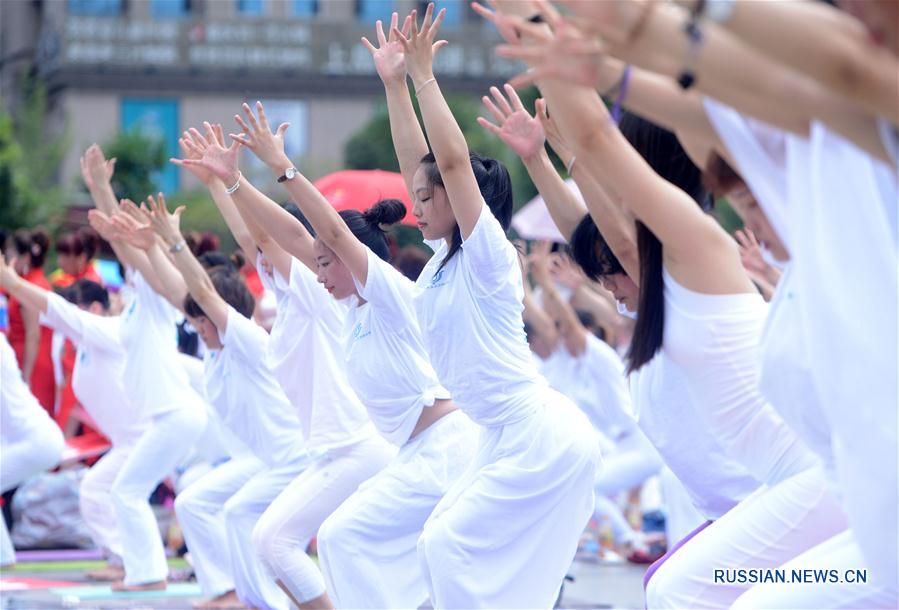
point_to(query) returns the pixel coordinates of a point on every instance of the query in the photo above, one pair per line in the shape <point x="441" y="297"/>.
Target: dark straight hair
<point x="231" y="287"/>
<point x="494" y="183"/>
<point x="664" y="153"/>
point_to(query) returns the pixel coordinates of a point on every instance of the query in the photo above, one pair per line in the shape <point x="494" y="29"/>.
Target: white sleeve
<point x="388" y="292"/>
<point x="81" y="326"/>
<point x="244" y="336"/>
<point x="759" y="150"/>
<point x="489" y="255"/>
<point x="306" y="291"/>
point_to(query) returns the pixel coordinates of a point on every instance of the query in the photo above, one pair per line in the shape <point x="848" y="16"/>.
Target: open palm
<point x="207" y="153"/>
<point x="519" y="130"/>
<point x="390" y="61"/>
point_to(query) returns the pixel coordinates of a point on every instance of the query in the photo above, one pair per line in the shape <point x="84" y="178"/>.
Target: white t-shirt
<point x="20" y="411"/>
<point x="714" y="339"/>
<point x="595" y="381"/>
<point x="99" y="368"/>
<point x="305" y="354"/>
<point x="470" y="317"/>
<point x="150" y="339"/>
<point x="386" y="360"/>
<point x="668" y="416"/>
<point x="247" y="397"/>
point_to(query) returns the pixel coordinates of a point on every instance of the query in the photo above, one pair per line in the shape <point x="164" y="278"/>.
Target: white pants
<point x="218" y="513"/>
<point x="629" y="464"/>
<point x="95" y="501"/>
<point x="506" y="533"/>
<point x="767" y="529"/>
<point x="25" y="453"/>
<point x="167" y="439"/>
<point x="287" y="526"/>
<point x="367" y="548"/>
<point x="840" y="553"/>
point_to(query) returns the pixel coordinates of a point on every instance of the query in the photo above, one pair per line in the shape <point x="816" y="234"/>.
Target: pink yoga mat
<point x="59" y="555"/>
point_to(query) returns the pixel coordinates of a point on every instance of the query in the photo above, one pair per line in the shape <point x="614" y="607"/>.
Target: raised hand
<point x="95" y="169"/>
<point x="751" y="254"/>
<point x="519" y="130"/>
<point x="419" y="47"/>
<point x="390" y="61"/>
<point x="553" y="136"/>
<point x="102" y="224"/>
<point x="207" y="156"/>
<point x="167" y="226"/>
<point x="258" y="137"/>
<point x="566" y="272"/>
<point x="130" y="229"/>
<point x="539" y="261"/>
<point x="193" y="148"/>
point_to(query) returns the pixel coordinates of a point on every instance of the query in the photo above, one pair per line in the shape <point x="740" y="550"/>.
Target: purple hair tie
<point x="622" y="94"/>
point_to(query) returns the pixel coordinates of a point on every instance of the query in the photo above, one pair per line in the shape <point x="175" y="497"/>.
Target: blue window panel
<point x="169" y="8"/>
<point x="96" y="8"/>
<point x="304" y="8"/>
<point x="453" y="8"/>
<point x="156" y="118"/>
<point x="251" y="7"/>
<point x="370" y="11"/>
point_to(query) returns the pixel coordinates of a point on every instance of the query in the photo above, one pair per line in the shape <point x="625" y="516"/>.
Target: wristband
<point x="423" y="85"/>
<point x="236" y="186"/>
<point x="570" y="165"/>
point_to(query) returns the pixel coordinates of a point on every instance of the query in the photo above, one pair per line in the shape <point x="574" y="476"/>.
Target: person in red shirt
<point x="75" y="253"/>
<point x="30" y="340"/>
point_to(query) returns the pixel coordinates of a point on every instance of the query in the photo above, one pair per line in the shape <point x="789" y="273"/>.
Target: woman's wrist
<point x="279" y="164"/>
<point x="418" y="81"/>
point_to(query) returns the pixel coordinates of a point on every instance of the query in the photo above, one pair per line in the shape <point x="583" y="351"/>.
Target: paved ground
<point x="595" y="586"/>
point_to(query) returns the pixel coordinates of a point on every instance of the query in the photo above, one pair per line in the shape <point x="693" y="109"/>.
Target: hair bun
<point x="238" y="259"/>
<point x="385" y="213"/>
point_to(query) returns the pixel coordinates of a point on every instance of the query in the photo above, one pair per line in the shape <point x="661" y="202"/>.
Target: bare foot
<point x="159" y="585"/>
<point x="226" y="601"/>
<point x="108" y="573"/>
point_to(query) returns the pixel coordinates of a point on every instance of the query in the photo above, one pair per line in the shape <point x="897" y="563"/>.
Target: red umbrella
<point x="359" y="189"/>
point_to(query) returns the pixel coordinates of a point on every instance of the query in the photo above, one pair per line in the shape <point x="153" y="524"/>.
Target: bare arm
<point x="274" y="230"/>
<point x="570" y="328"/>
<point x="216" y="187"/>
<point x="615" y="222"/>
<point x="446" y="138"/>
<point x="524" y="135"/>
<point x="729" y="70"/>
<point x="196" y="280"/>
<point x="408" y="139"/>
<point x="828" y="45"/>
<point x="31" y="296"/>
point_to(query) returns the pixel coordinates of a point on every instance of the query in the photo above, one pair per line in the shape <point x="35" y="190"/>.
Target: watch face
<point x="290" y="173"/>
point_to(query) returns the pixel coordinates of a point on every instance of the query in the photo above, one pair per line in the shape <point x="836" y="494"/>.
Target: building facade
<point x="166" y="65"/>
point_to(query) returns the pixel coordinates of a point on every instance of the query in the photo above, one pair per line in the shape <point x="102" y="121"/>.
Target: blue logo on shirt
<point x="357" y="332"/>
<point x="438" y="279"/>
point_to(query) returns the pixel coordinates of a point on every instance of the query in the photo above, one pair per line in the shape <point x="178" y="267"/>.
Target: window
<point x="170" y="8"/>
<point x="95" y="8"/>
<point x="369" y="11"/>
<point x="454" y="10"/>
<point x="304" y="8"/>
<point x="278" y="111"/>
<point x="253" y="8"/>
<point x="157" y="118"/>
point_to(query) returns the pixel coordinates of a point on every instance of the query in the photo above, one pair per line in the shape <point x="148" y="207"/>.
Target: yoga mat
<point x="16" y="583"/>
<point x="178" y="589"/>
<point x="64" y="566"/>
<point x="59" y="555"/>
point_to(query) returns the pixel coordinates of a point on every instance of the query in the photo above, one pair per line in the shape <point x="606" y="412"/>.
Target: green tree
<point x="30" y="156"/>
<point x="138" y="157"/>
